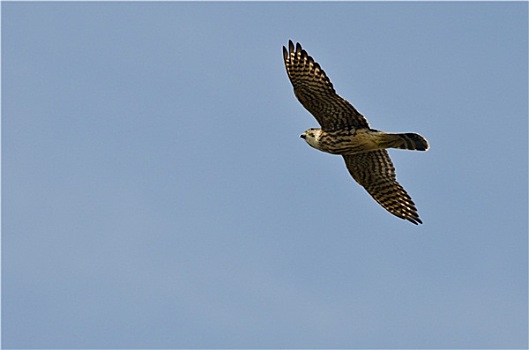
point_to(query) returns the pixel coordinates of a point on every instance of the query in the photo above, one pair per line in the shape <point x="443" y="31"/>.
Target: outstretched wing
<point x="375" y="172"/>
<point x="314" y="90"/>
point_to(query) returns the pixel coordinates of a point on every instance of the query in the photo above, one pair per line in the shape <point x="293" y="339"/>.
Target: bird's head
<point x="312" y="137"/>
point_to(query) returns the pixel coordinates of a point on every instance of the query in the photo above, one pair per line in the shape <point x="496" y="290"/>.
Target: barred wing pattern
<point x="375" y="172"/>
<point x="314" y="90"/>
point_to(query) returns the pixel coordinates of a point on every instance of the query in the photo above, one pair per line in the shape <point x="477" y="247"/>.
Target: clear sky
<point x="156" y="193"/>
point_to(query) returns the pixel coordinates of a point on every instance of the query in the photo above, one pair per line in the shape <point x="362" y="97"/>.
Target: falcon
<point x="344" y="131"/>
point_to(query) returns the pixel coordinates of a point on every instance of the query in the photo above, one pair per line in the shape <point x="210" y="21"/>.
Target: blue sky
<point x="156" y="193"/>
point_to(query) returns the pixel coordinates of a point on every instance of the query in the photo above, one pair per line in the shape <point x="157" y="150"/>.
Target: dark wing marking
<point x="314" y="90"/>
<point x="375" y="172"/>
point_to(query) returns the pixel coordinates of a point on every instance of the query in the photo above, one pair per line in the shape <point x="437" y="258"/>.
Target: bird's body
<point x="344" y="131"/>
<point x="353" y="141"/>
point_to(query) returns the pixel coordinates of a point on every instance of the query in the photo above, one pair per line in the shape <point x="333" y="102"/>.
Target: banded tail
<point x="409" y="141"/>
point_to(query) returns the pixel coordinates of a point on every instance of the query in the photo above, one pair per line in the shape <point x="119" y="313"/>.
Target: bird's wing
<point x="375" y="172"/>
<point x="314" y="90"/>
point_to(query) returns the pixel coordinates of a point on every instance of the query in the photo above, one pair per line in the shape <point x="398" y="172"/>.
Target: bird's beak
<point x="302" y="136"/>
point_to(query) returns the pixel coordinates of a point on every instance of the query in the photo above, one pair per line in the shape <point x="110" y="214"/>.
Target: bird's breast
<point x="346" y="141"/>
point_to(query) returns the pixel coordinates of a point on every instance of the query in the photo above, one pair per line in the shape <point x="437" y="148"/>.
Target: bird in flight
<point x="346" y="132"/>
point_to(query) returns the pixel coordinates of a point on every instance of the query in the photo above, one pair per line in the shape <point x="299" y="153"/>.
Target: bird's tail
<point x="409" y="141"/>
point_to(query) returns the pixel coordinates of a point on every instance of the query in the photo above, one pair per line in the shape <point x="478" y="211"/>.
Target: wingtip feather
<point x="298" y="47"/>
